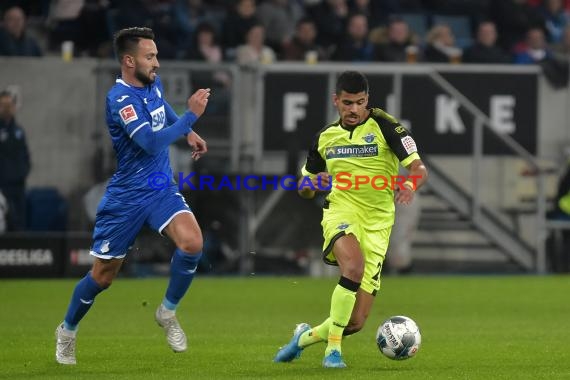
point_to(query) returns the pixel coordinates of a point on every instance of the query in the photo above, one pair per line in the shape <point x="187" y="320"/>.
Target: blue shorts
<point x="117" y="224"/>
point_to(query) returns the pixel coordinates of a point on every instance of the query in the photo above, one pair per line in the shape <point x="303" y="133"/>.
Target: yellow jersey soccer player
<point x="364" y="144"/>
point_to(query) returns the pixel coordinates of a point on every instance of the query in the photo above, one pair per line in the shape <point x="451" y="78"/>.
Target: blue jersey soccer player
<point x="142" y="126"/>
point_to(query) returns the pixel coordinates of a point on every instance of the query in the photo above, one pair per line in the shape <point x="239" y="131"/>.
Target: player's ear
<point x="335" y="100"/>
<point x="129" y="60"/>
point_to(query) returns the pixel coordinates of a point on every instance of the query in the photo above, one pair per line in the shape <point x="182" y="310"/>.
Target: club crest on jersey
<point x="158" y="118"/>
<point x="400" y="129"/>
<point x="369" y="138"/>
<point x="409" y="144"/>
<point x="105" y="246"/>
<point x="344" y="151"/>
<point x="128" y="114"/>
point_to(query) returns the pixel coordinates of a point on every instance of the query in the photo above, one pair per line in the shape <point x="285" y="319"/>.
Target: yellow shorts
<point x="373" y="244"/>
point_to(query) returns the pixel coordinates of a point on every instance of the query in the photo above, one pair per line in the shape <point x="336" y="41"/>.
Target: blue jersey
<point x="131" y="112"/>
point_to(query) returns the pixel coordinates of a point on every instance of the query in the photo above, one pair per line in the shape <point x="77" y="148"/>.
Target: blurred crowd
<point x="245" y="31"/>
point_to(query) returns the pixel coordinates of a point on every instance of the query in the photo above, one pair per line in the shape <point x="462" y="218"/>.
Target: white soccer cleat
<point x="174" y="334"/>
<point x="65" y="346"/>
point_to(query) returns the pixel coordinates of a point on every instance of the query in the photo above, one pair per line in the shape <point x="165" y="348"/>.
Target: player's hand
<point x="319" y="182"/>
<point x="198" y="101"/>
<point x="198" y="145"/>
<point x="405" y="196"/>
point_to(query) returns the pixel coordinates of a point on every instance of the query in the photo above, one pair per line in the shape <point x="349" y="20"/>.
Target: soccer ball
<point x="398" y="338"/>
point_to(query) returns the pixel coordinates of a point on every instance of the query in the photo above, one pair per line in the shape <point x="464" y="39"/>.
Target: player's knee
<point x="354" y="272"/>
<point x="104" y="280"/>
<point x="190" y="245"/>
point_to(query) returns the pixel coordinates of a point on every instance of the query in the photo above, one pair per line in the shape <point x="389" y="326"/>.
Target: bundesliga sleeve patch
<point x="409" y="144"/>
<point x="128" y="114"/>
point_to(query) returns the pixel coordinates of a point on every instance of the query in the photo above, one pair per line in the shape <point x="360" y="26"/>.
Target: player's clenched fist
<point x="198" y="101"/>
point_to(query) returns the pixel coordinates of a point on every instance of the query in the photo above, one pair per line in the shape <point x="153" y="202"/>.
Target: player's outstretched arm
<point x="155" y="142"/>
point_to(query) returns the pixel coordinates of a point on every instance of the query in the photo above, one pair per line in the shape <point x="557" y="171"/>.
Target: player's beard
<point x="144" y="78"/>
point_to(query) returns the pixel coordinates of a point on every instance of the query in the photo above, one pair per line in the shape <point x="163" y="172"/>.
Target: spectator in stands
<point x="362" y="6"/>
<point x="303" y="43"/>
<point x="164" y="26"/>
<point x="254" y="50"/>
<point x="555" y="19"/>
<point x="381" y="10"/>
<point x="14" y="40"/>
<point x="441" y="45"/>
<point x="32" y="8"/>
<point x="205" y="48"/>
<point x="155" y="15"/>
<point x="94" y="38"/>
<point x="355" y="46"/>
<point x="14" y="163"/>
<point x="513" y="18"/>
<point x="189" y="14"/>
<point x="398" y="39"/>
<point x="561" y="50"/>
<point x="485" y="48"/>
<point x="330" y="17"/>
<point x="535" y="49"/>
<point x="238" y="22"/>
<point x="279" y="18"/>
<point x="205" y="45"/>
<point x="63" y="21"/>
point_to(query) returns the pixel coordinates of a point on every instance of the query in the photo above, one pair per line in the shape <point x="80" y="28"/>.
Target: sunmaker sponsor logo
<point x="344" y="151"/>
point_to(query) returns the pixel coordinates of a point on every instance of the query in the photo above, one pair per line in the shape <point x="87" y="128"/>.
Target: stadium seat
<point x="46" y="210"/>
<point x="460" y="26"/>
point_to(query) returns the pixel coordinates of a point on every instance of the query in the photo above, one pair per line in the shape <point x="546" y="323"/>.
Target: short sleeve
<point x="315" y="162"/>
<point x="401" y="142"/>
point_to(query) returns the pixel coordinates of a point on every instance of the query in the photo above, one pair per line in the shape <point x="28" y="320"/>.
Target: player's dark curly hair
<point x="352" y="82"/>
<point x="126" y="40"/>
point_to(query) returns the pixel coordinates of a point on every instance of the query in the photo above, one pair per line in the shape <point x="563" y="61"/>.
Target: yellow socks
<point x="317" y="334"/>
<point x="342" y="303"/>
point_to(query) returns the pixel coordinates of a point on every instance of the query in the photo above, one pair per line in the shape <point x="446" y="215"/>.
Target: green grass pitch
<point x="472" y="327"/>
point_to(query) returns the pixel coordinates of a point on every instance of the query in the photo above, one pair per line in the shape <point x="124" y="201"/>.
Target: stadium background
<point x="483" y="214"/>
<point x="253" y="126"/>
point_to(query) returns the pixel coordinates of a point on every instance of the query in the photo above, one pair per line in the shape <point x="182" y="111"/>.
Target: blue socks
<point x="81" y="301"/>
<point x="182" y="269"/>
